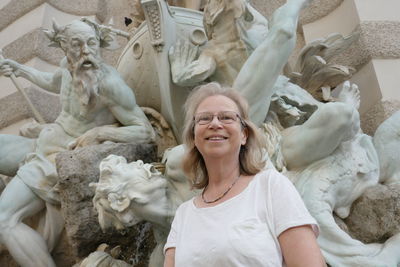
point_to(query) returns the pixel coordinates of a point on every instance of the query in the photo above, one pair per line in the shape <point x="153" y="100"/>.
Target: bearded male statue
<point x="96" y="106"/>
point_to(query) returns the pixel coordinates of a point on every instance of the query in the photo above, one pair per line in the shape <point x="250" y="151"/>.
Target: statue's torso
<point x="76" y="118"/>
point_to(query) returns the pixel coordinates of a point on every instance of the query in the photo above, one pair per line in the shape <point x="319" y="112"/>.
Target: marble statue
<point x="329" y="181"/>
<point x="234" y="29"/>
<point x="97" y="107"/>
<point x="128" y="193"/>
<point x="230" y="27"/>
<point x="387" y="144"/>
<point x="319" y="146"/>
<point x="329" y="174"/>
<point x="193" y="4"/>
<point x="306" y="123"/>
<point x="137" y="16"/>
<point x="258" y="85"/>
<point x="313" y="70"/>
<point x="101" y="258"/>
<point x="330" y="161"/>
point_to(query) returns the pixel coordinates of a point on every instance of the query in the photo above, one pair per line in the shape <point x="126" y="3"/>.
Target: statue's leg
<point x="25" y="245"/>
<point x="320" y="135"/>
<point x="13" y="150"/>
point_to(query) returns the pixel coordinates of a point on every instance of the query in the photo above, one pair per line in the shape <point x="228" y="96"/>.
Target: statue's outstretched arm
<point x="46" y="80"/>
<point x="257" y="77"/>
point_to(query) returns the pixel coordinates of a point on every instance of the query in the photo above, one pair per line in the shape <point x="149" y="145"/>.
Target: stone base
<point x="76" y="170"/>
<point x="375" y="216"/>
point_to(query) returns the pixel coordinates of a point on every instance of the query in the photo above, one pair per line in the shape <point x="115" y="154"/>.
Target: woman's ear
<point x="245" y="135"/>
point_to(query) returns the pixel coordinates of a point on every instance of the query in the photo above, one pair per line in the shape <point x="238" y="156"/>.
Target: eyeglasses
<point x="225" y="117"/>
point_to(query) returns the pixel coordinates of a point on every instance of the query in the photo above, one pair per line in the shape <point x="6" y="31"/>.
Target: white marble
<point x="387" y="144"/>
<point x="128" y="193"/>
<point x="331" y="163"/>
<point x="94" y="100"/>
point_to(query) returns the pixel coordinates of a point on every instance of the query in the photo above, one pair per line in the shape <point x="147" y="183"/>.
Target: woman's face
<point x="218" y="139"/>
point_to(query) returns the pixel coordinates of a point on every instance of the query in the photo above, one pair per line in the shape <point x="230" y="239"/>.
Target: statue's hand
<point x="181" y="55"/>
<point x="89" y="138"/>
<point x="8" y="67"/>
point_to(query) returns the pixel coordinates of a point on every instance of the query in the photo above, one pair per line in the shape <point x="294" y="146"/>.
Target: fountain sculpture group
<point x="313" y="134"/>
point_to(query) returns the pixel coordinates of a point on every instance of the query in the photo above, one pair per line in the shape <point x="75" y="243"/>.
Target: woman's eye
<point x="205" y="118"/>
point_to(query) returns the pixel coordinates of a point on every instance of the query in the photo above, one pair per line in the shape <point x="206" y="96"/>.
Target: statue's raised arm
<point x="259" y="73"/>
<point x="46" y="80"/>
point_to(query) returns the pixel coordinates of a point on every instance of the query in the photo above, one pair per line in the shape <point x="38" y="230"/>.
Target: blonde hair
<point x="251" y="154"/>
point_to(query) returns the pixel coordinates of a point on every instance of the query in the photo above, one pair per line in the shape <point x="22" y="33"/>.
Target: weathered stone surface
<point x="47" y="104"/>
<point x="39" y="47"/>
<point x="12" y="109"/>
<point x="76" y="170"/>
<point x="375" y="216"/>
<point x="371" y="120"/>
<point x="378" y="39"/>
<point x="16" y="9"/>
<point x="62" y="254"/>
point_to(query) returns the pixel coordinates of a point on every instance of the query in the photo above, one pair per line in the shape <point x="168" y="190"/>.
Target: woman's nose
<point x="215" y="122"/>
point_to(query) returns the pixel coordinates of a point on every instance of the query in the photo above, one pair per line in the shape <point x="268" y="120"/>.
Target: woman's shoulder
<point x="185" y="206"/>
<point x="271" y="175"/>
<point x="272" y="178"/>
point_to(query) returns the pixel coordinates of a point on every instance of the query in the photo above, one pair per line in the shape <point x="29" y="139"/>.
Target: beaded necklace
<point x="221" y="196"/>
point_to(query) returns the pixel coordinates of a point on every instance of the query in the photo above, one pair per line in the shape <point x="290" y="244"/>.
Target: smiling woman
<point x="219" y="99"/>
<point x="245" y="216"/>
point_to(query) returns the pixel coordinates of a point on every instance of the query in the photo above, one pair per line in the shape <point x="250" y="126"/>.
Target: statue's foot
<point x="350" y="94"/>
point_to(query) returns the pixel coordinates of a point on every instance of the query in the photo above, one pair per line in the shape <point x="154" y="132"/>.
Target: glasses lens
<point x="227" y="117"/>
<point x="203" y="118"/>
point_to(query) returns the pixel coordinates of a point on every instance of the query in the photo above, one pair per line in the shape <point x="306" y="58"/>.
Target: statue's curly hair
<point x="58" y="35"/>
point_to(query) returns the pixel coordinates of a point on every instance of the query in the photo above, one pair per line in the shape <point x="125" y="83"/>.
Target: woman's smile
<point x="216" y="138"/>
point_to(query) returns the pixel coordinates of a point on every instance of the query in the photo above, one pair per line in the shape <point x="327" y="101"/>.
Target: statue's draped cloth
<point x="38" y="171"/>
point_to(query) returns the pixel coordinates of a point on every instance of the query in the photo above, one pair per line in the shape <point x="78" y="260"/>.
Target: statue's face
<point x="83" y="46"/>
<point x="128" y="193"/>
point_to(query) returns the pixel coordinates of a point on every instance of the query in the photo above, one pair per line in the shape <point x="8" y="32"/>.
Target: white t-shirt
<point x="241" y="231"/>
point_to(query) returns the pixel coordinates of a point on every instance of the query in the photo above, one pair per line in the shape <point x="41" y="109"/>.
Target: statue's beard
<point x="86" y="77"/>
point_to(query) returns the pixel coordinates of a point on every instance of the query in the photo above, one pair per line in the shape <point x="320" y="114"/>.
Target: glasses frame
<point x="218" y="114"/>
